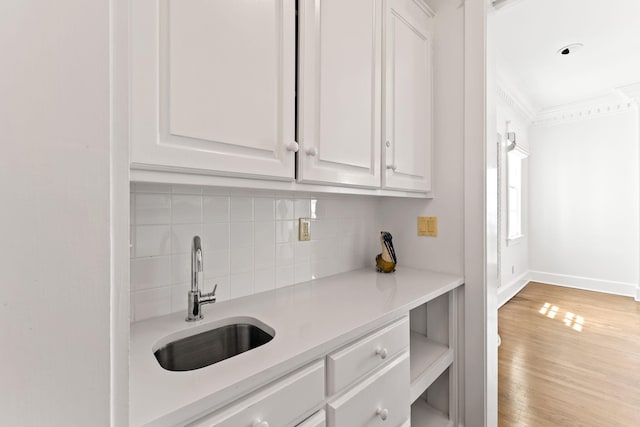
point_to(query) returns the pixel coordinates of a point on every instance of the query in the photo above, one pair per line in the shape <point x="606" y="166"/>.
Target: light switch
<point x="304" y="229"/>
<point x="428" y="226"/>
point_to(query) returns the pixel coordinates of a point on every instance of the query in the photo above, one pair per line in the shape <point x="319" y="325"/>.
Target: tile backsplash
<point x="249" y="239"/>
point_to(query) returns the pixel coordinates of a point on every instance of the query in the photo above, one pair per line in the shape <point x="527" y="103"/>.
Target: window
<point x="514" y="193"/>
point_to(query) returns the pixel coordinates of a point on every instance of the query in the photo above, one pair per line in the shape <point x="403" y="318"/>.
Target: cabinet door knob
<point x="382" y="352"/>
<point x="259" y="423"/>
<point x="383" y="413"/>
<point x="293" y="146"/>
<point x="392" y="167"/>
<point x="312" y="151"/>
<point x="388" y="144"/>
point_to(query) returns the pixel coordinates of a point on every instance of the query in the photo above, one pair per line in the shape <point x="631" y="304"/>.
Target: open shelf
<point x="423" y="415"/>
<point x="429" y="359"/>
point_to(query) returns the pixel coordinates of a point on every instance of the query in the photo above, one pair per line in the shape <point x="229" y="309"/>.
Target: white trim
<point x="608" y="104"/>
<point x="631" y="91"/>
<point x="516" y="102"/>
<point x="585" y="283"/>
<point x="638" y="294"/>
<point x="505" y="293"/>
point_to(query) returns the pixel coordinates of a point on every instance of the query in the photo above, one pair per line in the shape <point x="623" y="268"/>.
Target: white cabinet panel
<point x="213" y="86"/>
<point x="339" y="90"/>
<point x="280" y="404"/>
<point x="347" y="365"/>
<point x="316" y="420"/>
<point x="408" y="97"/>
<point x="380" y="400"/>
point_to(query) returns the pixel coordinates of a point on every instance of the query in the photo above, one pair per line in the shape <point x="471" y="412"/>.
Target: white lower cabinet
<point x="401" y="374"/>
<point x="380" y="400"/>
<point x="316" y="420"/>
<point x="281" y="404"/>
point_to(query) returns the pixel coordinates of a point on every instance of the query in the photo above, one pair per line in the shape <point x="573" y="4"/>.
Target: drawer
<point x="347" y="365"/>
<point x="316" y="420"/>
<point x="383" y="395"/>
<point x="279" y="404"/>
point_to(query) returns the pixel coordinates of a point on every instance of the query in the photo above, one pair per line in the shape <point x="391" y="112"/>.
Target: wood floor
<point x="569" y="358"/>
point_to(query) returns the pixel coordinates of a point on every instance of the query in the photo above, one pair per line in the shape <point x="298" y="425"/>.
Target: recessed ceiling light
<point x="566" y="50"/>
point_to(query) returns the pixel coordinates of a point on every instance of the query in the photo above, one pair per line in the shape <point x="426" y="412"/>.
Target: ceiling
<point x="529" y="33"/>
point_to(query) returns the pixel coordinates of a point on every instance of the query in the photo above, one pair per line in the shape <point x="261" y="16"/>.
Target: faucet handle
<point x="215" y="288"/>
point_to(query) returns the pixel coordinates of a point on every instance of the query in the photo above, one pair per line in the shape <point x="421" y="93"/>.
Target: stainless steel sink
<point x="212" y="346"/>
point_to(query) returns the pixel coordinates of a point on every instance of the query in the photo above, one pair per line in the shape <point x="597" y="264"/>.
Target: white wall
<point x="55" y="216"/>
<point x="584" y="203"/>
<point x="514" y="256"/>
<point x="250" y="241"/>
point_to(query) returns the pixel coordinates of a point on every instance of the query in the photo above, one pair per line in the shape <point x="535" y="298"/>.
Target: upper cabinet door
<point x="213" y="86"/>
<point x="408" y="96"/>
<point x="339" y="92"/>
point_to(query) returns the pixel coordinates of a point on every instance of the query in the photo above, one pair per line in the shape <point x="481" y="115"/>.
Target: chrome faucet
<point x="195" y="298"/>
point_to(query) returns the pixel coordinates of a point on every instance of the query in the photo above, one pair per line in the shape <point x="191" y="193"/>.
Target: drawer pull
<point x="382" y="352"/>
<point x="312" y="151"/>
<point x="259" y="423"/>
<point x="383" y="413"/>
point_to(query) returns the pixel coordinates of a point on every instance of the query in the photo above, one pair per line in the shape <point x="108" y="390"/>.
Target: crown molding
<point x="611" y="103"/>
<point x="631" y="91"/>
<point x="516" y="102"/>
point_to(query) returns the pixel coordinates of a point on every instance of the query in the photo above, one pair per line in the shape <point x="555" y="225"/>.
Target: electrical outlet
<point x="304" y="229"/>
<point x="428" y="226"/>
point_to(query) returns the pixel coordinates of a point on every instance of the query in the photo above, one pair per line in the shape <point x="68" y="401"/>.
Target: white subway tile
<point x="215" y="237"/>
<point x="215" y="209"/>
<point x="223" y="292"/>
<point x="263" y="209"/>
<point x="187" y="209"/>
<point x="152" y="240"/>
<point x="284" y="254"/>
<point x="181" y="268"/>
<point x="284" y="276"/>
<point x="152" y="208"/>
<point x="241" y="235"/>
<point x="264" y="280"/>
<point x="302" y="251"/>
<point x="264" y="233"/>
<point x="216" y="263"/>
<point x="264" y="256"/>
<point x="285" y="231"/>
<point x="284" y="209"/>
<point x="152" y="303"/>
<point x="302" y="272"/>
<point x="179" y="297"/>
<point x="151" y="272"/>
<point x="302" y="208"/>
<point x="241" y="209"/>
<point x="182" y="237"/>
<point x="241" y="284"/>
<point x="241" y="260"/>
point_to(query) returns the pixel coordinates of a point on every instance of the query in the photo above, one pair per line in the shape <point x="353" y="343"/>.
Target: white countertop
<point x="309" y="319"/>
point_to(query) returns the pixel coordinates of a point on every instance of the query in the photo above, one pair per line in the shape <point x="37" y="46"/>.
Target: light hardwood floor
<point x="577" y="367"/>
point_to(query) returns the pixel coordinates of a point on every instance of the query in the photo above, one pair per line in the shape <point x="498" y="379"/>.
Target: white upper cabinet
<point x="339" y="92"/>
<point x="408" y="109"/>
<point x="213" y="87"/>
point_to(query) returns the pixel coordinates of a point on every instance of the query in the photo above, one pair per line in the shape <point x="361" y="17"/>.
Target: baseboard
<point x="586" y="283"/>
<point x="505" y="293"/>
<point x="638" y="294"/>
